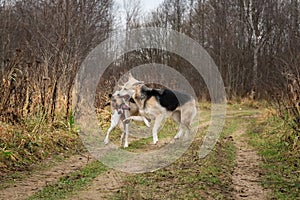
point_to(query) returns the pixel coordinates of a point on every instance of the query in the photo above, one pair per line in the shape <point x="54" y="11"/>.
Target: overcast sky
<point x="146" y="5"/>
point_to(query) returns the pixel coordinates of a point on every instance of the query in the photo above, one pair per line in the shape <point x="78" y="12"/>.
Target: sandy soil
<point x="102" y="186"/>
<point x="246" y="175"/>
<point x="24" y="188"/>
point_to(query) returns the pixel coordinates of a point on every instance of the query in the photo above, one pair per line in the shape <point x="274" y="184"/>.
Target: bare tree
<point x="51" y="38"/>
<point x="133" y="13"/>
<point x="254" y="14"/>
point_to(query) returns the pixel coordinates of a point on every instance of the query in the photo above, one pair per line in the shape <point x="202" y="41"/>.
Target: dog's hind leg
<point x="115" y="118"/>
<point x="188" y="119"/>
<point x="157" y="123"/>
<point x="176" y="117"/>
<point x="179" y="133"/>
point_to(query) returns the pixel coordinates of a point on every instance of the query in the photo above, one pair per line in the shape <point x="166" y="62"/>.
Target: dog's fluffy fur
<point x="163" y="103"/>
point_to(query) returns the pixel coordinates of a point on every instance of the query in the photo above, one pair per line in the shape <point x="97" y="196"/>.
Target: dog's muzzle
<point x="122" y="108"/>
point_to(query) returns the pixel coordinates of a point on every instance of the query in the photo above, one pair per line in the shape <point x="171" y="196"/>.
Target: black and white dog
<point x="163" y="103"/>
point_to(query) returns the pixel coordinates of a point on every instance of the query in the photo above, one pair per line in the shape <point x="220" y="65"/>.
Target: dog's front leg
<point x="126" y="129"/>
<point x="137" y="118"/>
<point x="115" y="118"/>
<point x="146" y="122"/>
<point x="123" y="129"/>
<point x="126" y="135"/>
<point x="157" y="123"/>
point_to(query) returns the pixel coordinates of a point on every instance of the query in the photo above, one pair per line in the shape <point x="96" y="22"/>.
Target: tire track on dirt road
<point x="246" y="175"/>
<point x="105" y="185"/>
<point x="102" y="187"/>
<point x="22" y="189"/>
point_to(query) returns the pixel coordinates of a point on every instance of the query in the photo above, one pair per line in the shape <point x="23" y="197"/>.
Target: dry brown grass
<point x="21" y="145"/>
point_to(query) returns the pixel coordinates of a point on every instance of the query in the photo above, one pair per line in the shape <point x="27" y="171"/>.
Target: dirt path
<point x="102" y="186"/>
<point x="24" y="188"/>
<point x="245" y="176"/>
<point x="106" y="184"/>
<point x="246" y="172"/>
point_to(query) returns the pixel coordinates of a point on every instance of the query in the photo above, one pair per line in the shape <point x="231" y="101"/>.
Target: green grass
<point x="189" y="177"/>
<point x="168" y="130"/>
<point x="281" y="162"/>
<point x="71" y="183"/>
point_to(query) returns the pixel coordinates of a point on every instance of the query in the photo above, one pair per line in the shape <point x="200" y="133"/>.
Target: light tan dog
<point x="124" y="107"/>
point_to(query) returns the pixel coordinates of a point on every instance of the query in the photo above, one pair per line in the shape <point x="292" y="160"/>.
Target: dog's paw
<point x="147" y="123"/>
<point x="155" y="142"/>
<point x="173" y="141"/>
<point x="127" y="121"/>
<point x="176" y="137"/>
<point x="125" y="145"/>
<point x="106" y="141"/>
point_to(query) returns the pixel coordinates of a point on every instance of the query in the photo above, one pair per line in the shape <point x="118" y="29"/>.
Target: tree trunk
<point x="254" y="71"/>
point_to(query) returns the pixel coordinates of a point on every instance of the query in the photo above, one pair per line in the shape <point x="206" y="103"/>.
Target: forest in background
<point x="254" y="43"/>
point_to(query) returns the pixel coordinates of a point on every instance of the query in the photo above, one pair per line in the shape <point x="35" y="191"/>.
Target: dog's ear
<point x="145" y="88"/>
